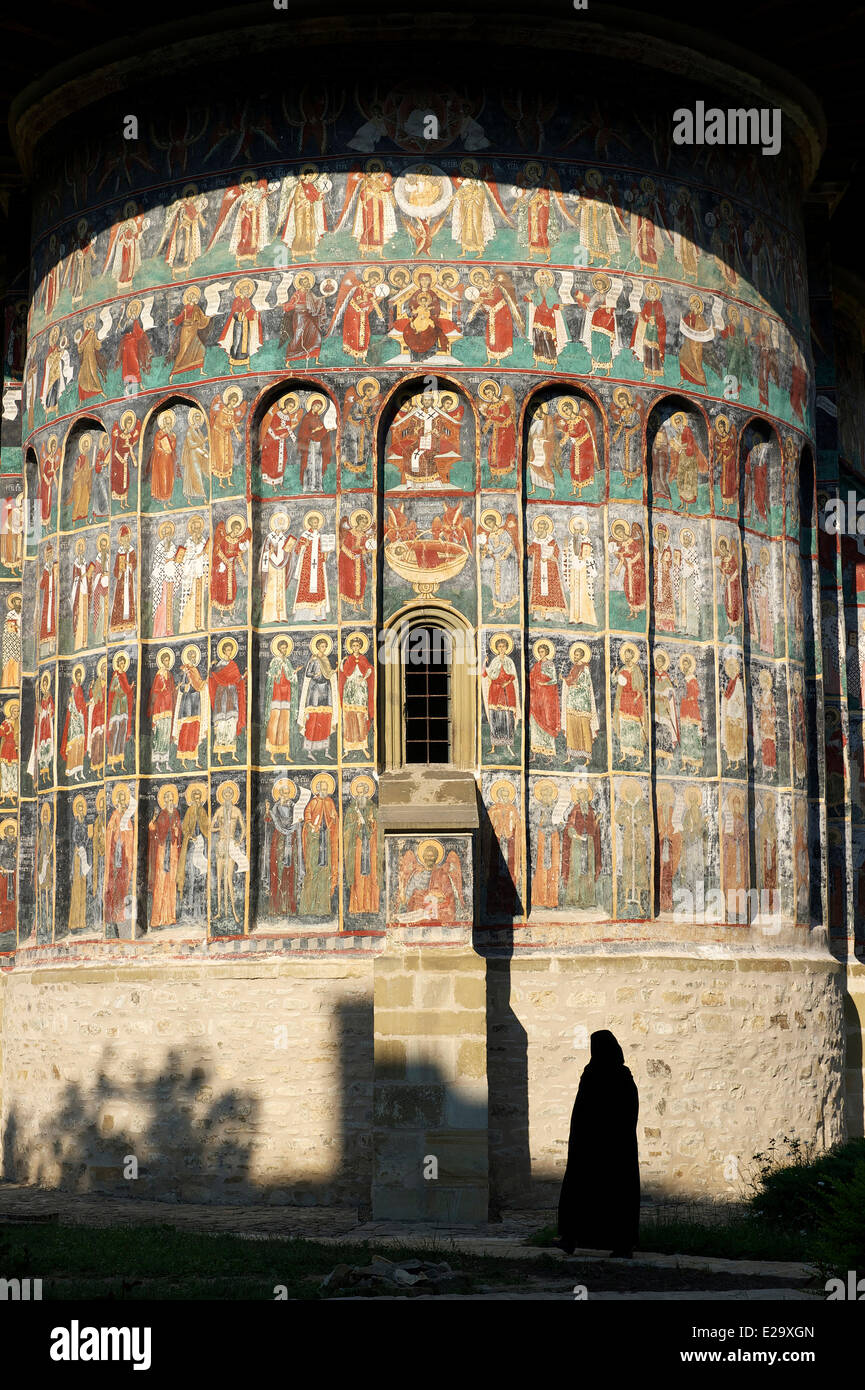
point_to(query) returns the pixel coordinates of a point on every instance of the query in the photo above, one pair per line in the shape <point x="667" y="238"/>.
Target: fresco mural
<point x="268" y="410"/>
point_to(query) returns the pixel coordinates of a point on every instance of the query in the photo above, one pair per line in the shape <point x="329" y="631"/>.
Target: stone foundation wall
<point x="726" y="1054"/>
<point x="255" y="1081"/>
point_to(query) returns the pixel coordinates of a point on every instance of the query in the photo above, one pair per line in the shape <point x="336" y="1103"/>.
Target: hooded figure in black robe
<point x="599" y="1206"/>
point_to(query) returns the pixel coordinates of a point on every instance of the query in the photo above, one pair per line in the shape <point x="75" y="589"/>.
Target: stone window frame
<point x="464" y="669"/>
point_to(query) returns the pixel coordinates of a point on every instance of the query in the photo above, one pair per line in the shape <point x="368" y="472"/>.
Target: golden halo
<point x="661" y="659"/>
<point x="244" y="286"/>
<point x="501" y="637"/>
<point x="222" y="792"/>
<point x="492" y="513"/>
<point x="601" y="283"/>
<point x="278" y="639"/>
<point x="507" y="789"/>
<point x="677" y="416"/>
<point x="4" y="826"/>
<point x="102" y="666"/>
<point x="79" y="801"/>
<point x="76" y="669"/>
<point x="283" y="784"/>
<point x="304" y="280"/>
<point x="100" y="799"/>
<point x="362" y="786"/>
<point x="165" y="651"/>
<point x="544" y="642"/>
<point x="232" y="391"/>
<point x="310" y="517"/>
<point x="360" y="514"/>
<point x="289" y="402"/>
<point x="85" y="441"/>
<point x="357" y="637"/>
<point x="619" y="528"/>
<point x="316" y="396"/>
<point x="687" y="537"/>
<point x="236" y="517"/>
<point x="227" y="648"/>
<point x="104" y="537"/>
<point x="195" y="786"/>
<point x="279" y="521"/>
<point x="166" y="419"/>
<point x="628" y="652"/>
<point x="373" y="275"/>
<point x="578" y="525"/>
<point x="194" y="523"/>
<point x="163" y="792"/>
<point x="316" y="638"/>
<point x="546" y="792"/>
<point x="191" y="655"/>
<point x="424" y="270"/>
<point x="490" y="384"/>
<point x="686" y="663"/>
<point x="537" y="521"/>
<point x="543" y="277"/>
<point x="11" y="708"/>
<point x="480" y="276"/>
<point x="119" y="656"/>
<point x="653" y="290"/>
<point x="696" y="303"/>
<point x="324" y="780"/>
<point x="165" y="528"/>
<point x="622" y="395"/>
<point x="80" y="546"/>
<point x="765" y="557"/>
<point x="368" y="381"/>
<point x="580" y="649"/>
<point x="582" y="789"/>
<point x="437" y="846"/>
<point x="120" y="793"/>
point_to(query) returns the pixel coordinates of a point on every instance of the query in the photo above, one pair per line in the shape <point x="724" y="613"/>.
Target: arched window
<point x="428" y="694"/>
<point x="427" y="687"/>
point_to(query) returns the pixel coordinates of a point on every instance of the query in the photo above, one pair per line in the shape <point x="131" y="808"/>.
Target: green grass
<point x="161" y="1262"/>
<point x="727" y="1236"/>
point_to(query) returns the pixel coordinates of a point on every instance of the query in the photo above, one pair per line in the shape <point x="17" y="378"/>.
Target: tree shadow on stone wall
<point x="196" y="1141"/>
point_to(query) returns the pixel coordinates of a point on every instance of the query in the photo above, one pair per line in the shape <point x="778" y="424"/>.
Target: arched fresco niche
<point x="295" y="436"/>
<point x="428" y="466"/>
<point x="175" y="456"/>
<point x="678" y="457"/>
<point x="86" y="483"/>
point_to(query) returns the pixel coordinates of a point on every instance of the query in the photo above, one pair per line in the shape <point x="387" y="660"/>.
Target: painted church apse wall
<point x="271" y="408"/>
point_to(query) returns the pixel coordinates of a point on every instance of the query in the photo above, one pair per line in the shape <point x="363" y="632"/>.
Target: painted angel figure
<point x="541" y="212"/>
<point x="370" y="194"/>
<point x="430" y="884"/>
<point x="78" y="268"/>
<point x="496" y="298"/>
<point x="474" y="207"/>
<point x="124" y="246"/>
<point x="181" y="235"/>
<point x="302" y="218"/>
<point x="357" y="302"/>
<point x="243" y="214"/>
<point x="628" y="416"/>
<point x="227" y="413"/>
<point x="648" y="226"/>
<point x="599" y="220"/>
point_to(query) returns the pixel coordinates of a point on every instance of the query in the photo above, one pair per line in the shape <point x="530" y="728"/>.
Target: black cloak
<point x="599" y="1206"/>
